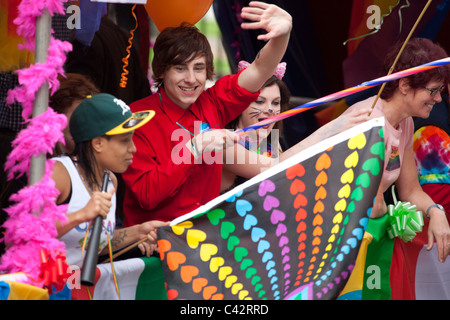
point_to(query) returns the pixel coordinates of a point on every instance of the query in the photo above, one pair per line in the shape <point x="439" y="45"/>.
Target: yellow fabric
<point x="22" y="291"/>
<point x="355" y="282"/>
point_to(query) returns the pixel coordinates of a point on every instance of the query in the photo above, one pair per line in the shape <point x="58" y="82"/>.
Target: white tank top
<point x="78" y="200"/>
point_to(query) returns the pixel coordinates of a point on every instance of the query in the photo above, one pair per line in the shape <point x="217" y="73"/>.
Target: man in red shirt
<point x="177" y="166"/>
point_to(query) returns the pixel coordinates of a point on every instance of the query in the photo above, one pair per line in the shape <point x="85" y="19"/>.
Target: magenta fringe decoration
<point x="40" y="136"/>
<point x="31" y="226"/>
<point x="32" y="78"/>
<point x="27" y="232"/>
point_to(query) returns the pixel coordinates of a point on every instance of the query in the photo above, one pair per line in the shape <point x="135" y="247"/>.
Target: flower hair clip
<point x="279" y="73"/>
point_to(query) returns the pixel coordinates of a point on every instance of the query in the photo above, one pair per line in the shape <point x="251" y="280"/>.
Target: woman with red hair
<point x="400" y="101"/>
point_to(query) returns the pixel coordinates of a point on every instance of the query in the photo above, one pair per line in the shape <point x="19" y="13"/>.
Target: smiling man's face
<point x="184" y="83"/>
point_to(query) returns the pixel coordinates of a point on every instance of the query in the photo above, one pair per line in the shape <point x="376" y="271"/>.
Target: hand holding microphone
<point x="91" y="257"/>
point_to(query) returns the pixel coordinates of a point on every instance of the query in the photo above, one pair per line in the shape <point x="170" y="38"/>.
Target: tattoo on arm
<point x="118" y="238"/>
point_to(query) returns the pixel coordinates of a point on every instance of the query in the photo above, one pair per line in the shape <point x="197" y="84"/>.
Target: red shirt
<point x="164" y="181"/>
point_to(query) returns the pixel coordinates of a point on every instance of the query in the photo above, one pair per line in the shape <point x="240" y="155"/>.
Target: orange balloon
<point x="171" y="13"/>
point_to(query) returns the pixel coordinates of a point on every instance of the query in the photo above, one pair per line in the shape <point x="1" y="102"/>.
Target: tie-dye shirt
<point x="432" y="155"/>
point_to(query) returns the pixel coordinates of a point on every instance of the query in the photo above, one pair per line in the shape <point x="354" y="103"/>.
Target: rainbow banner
<point x="293" y="232"/>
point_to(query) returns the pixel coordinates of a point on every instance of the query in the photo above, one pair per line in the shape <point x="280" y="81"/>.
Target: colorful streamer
<point x="124" y="78"/>
<point x="347" y="92"/>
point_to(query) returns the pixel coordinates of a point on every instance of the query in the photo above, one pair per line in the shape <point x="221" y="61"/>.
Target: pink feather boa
<point x="40" y="136"/>
<point x="27" y="233"/>
<point x="32" y="78"/>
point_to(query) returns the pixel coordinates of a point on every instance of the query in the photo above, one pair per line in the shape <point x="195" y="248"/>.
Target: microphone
<point x="91" y="257"/>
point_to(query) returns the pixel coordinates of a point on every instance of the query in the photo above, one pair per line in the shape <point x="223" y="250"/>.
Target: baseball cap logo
<point x="131" y="123"/>
<point x="136" y="119"/>
<point x="123" y="105"/>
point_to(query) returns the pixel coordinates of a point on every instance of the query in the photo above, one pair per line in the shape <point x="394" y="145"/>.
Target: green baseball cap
<point x="104" y="114"/>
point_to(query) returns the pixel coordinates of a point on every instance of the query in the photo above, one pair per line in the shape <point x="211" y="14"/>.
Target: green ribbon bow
<point x="404" y="220"/>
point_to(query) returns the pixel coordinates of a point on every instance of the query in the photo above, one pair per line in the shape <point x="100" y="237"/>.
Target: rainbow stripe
<point x="347" y="92"/>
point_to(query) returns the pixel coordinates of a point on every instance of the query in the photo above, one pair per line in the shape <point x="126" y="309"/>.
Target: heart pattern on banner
<point x="294" y="235"/>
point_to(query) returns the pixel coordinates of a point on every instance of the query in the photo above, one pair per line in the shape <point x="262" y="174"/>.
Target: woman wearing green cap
<point x="102" y="128"/>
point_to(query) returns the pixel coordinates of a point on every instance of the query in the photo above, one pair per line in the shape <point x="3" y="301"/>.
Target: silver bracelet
<point x="432" y="206"/>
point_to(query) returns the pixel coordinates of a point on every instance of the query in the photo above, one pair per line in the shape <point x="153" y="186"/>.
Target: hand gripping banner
<point x="291" y="232"/>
